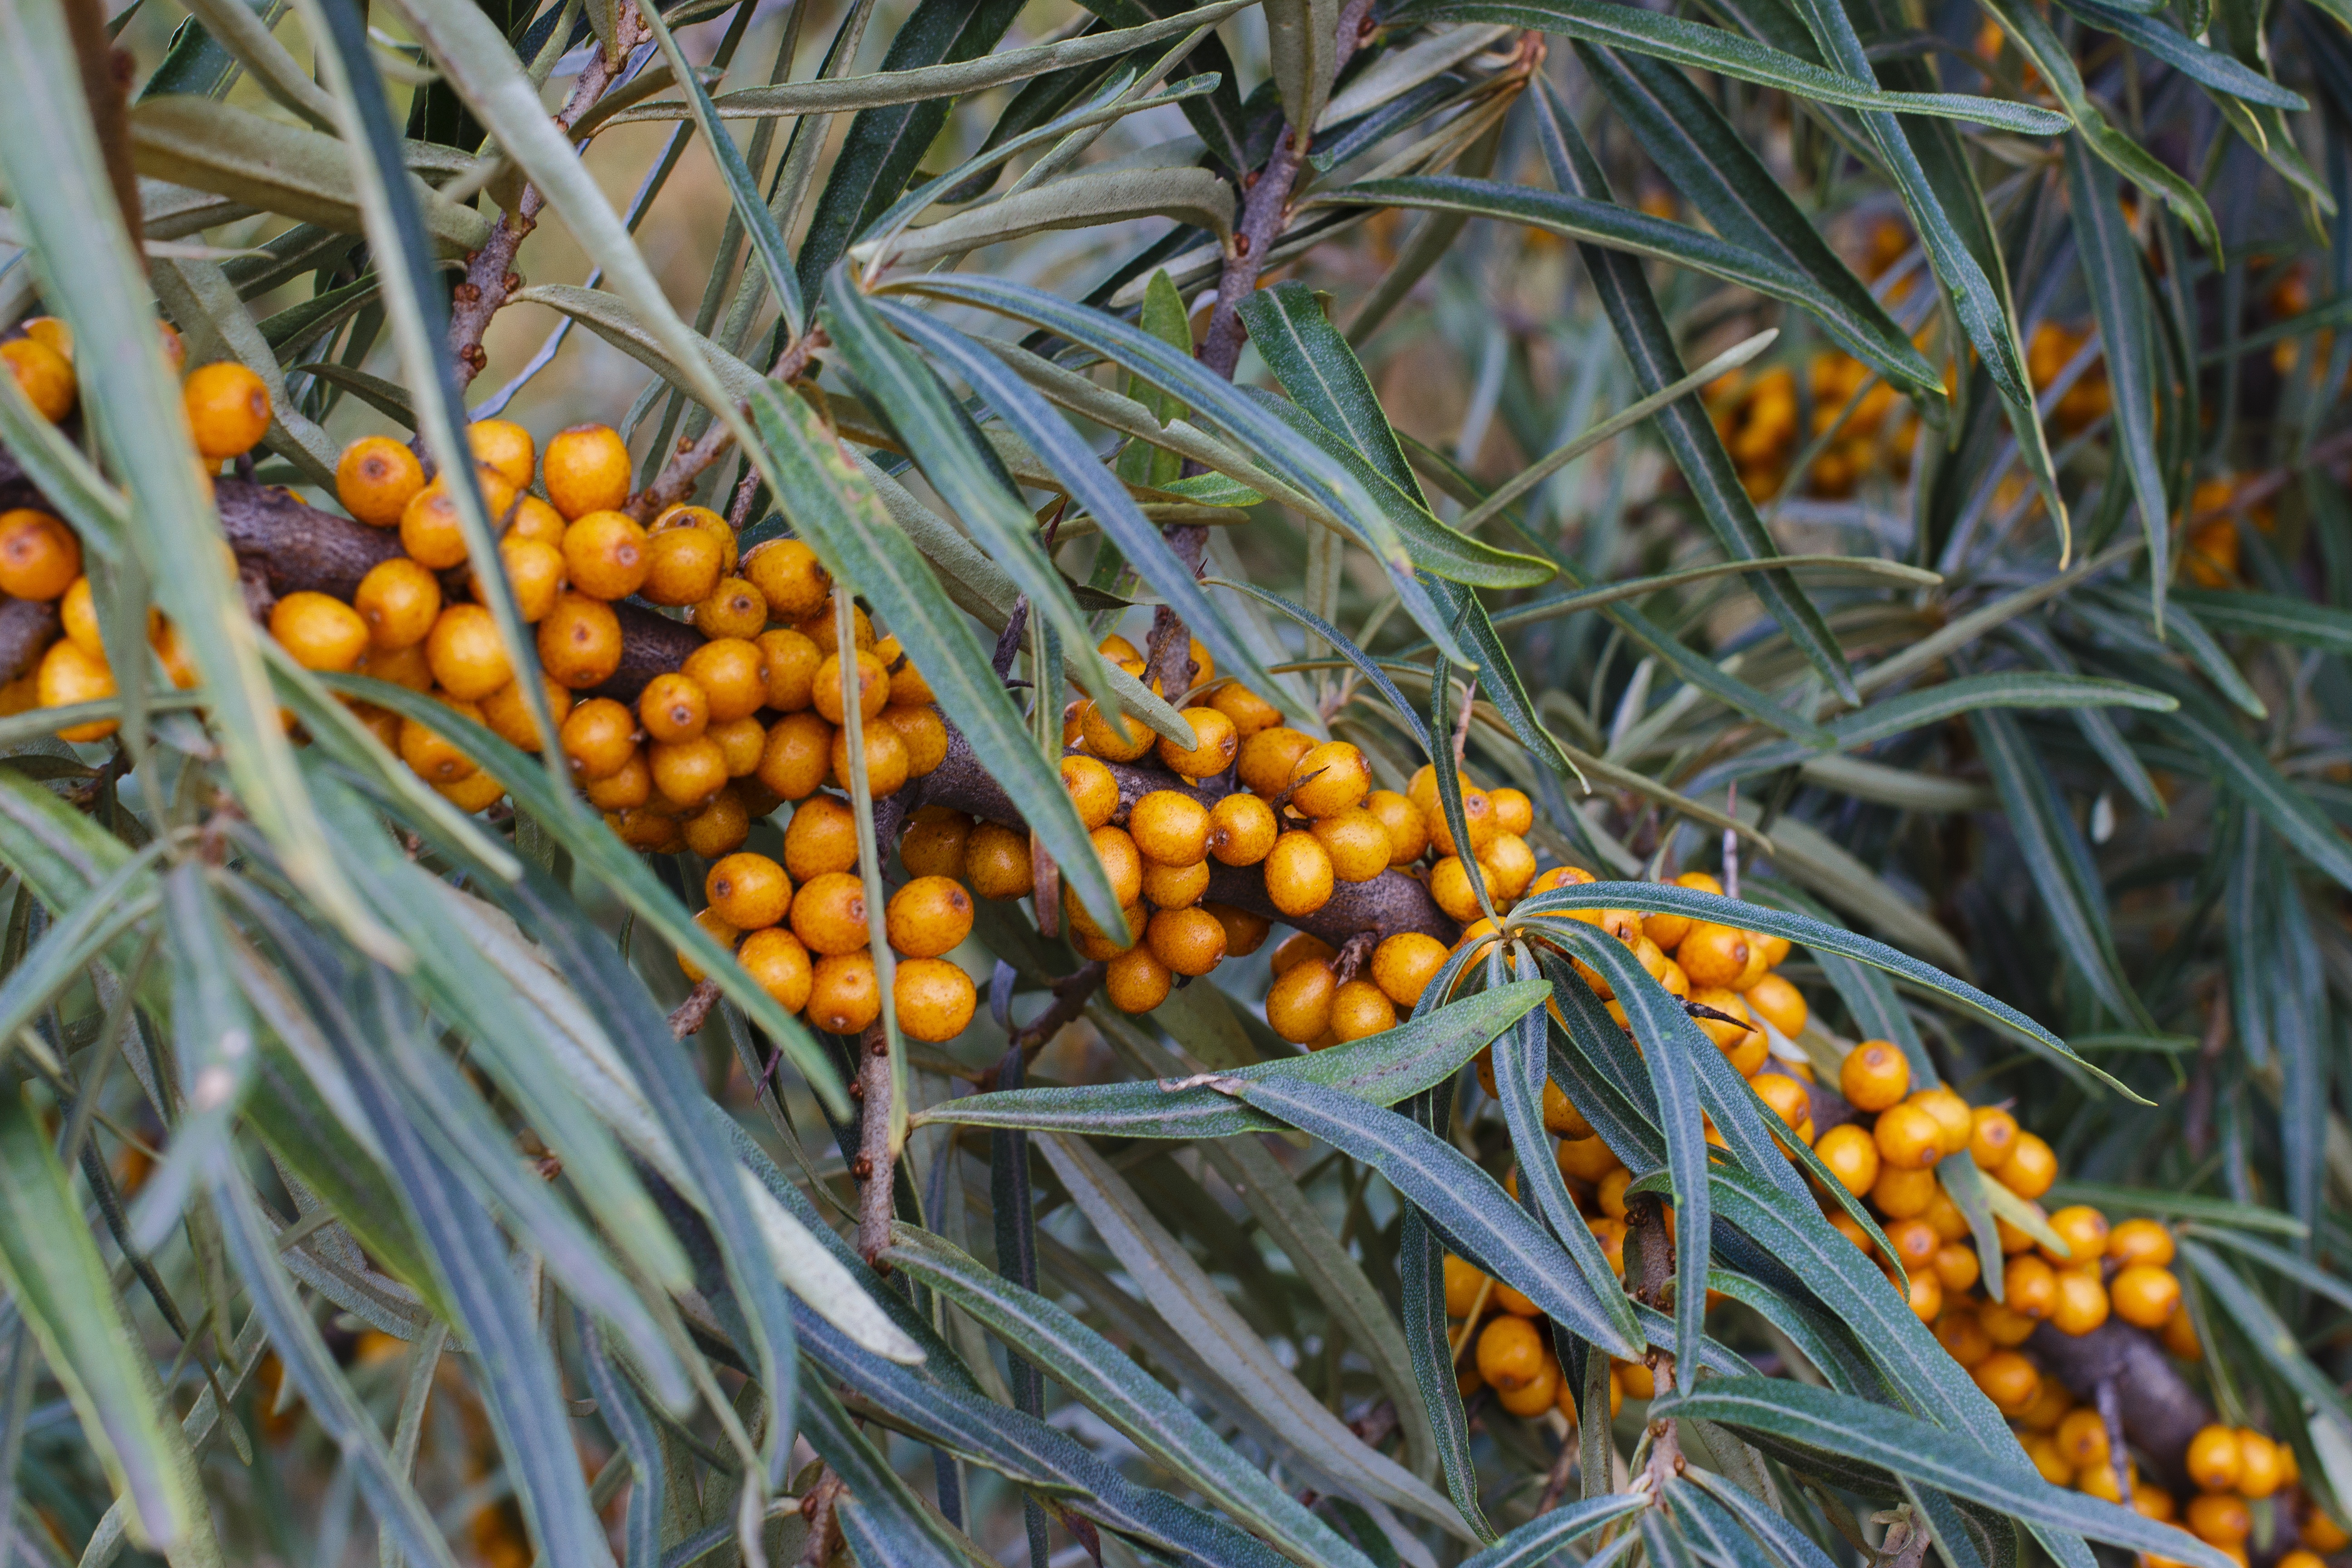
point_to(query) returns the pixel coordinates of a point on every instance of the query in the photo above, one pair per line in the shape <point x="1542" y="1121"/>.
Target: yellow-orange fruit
<point x="1874" y="1076"/>
<point x="627" y="787"/>
<point x="733" y="608"/>
<point x="789" y="577"/>
<point x="2009" y="1379"/>
<point x="2215" y="1460"/>
<point x="687" y="773"/>
<point x="2219" y="1519"/>
<point x="1360" y="1008"/>
<point x="1403" y="965"/>
<point x="720" y="828"/>
<point x="1266" y="759"/>
<point x="469" y="795"/>
<point x="1713" y="954"/>
<point x="1408" y="833"/>
<point x="1956" y="1124"/>
<point x="402" y="666"/>
<point x="749" y="890"/>
<point x="906" y="683"/>
<point x="1510" y="867"/>
<point x="887" y="770"/>
<point x="996" y="862"/>
<point x="430" y="529"/>
<point x="2082" y="1305"/>
<point x="933" y="999"/>
<point x="78" y="614"/>
<point x="375" y="478"/>
<point x="1245" y="932"/>
<point x="598" y="738"/>
<point x="1850" y="1156"/>
<point x="2030" y="1168"/>
<point x="507" y="712"/>
<point x="1453" y="888"/>
<point x="504" y="448"/>
<point x="2261" y="1471"/>
<point x="433" y="756"/>
<point x="1169" y="826"/>
<point x="39" y="556"/>
<point x="672" y="708"/>
<point x="792" y="662"/>
<point x="1188" y="940"/>
<point x="1135" y="980"/>
<point x="1248" y="711"/>
<point x="828" y="913"/>
<point x="923" y="733"/>
<point x="323" y="633"/>
<point x="606" y="553"/>
<point x="399" y="600"/>
<point x="1215" y="744"/>
<point x="465" y="653"/>
<point x="587" y="470"/>
<point x="928" y="916"/>
<point x="579" y="642"/>
<point x="799" y="755"/>
<point x="2140" y="1241"/>
<point x="1992" y="1137"/>
<point x="682" y="565"/>
<point x="1119" y="737"/>
<point x="46" y="377"/>
<point x="934" y="840"/>
<point x="1092" y="790"/>
<point x="1299" y="1003"/>
<point x="1298" y="876"/>
<point x="1478" y="821"/>
<point x="821" y="839"/>
<point x="228" y="409"/>
<point x="534" y="573"/>
<point x="779" y="965"/>
<point x="1779" y="1004"/>
<point x="67" y="675"/>
<point x="732" y="673"/>
<point x="844" y="993"/>
<point x="1242" y="830"/>
<point x="684" y="515"/>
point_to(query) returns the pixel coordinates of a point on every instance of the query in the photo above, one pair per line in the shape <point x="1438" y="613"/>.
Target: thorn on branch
<point x="695" y="1011"/>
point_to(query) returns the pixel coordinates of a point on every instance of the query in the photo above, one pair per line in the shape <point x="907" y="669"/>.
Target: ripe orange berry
<point x="1901" y="1192"/>
<point x="2082" y="1305"/>
<point x="228" y="409"/>
<point x="323" y="633"/>
<point x="1298" y="948"/>
<point x="1957" y="1266"/>
<point x="996" y="862"/>
<point x="788" y="575"/>
<point x="1510" y="1354"/>
<point x="1135" y="980"/>
<point x="625" y="787"/>
<point x="844" y="993"/>
<point x="922" y="731"/>
<point x="606" y="553"/>
<point x="1779" y="1004"/>
<point x="687" y="773"/>
<point x="78" y="614"/>
<point x="376" y="478"/>
<point x="1119" y="737"/>
<point x="435" y="759"/>
<point x="1266" y="759"/>
<point x="1477" y="820"/>
<point x="2009" y="1379"/>
<point x="745" y="742"/>
<point x="1215" y="744"/>
<point x="531" y="518"/>
<point x="731" y="673"/>
<point x="683" y="567"/>
<point x="2219" y="1519"/>
<point x="67" y="675"/>
<point x="1514" y="812"/>
<point x="1786" y="1096"/>
<point x="504" y="448"/>
<point x="429" y="526"/>
<point x="928" y="916"/>
<point x="402" y="666"/>
<point x="934" y="841"/>
<point x="2048" y="1461"/>
<point x="1908" y="1138"/>
<point x="779" y="965"/>
<point x="2030" y="1286"/>
<point x="1359" y="1008"/>
<point x="2005" y="1325"/>
<point x="1408" y="834"/>
<point x="1510" y="867"/>
<point x="587" y="470"/>
<point x="464" y="651"/>
<point x="1188" y="940"/>
<point x="1850" y="1156"/>
<point x="2215" y="1460"/>
<point x="2260" y="1470"/>
<point x="579" y="642"/>
<point x="1962" y="1337"/>
<point x="933" y="999"/>
<point x="1956" y="1122"/>
<point x="748" y="890"/>
<point x="2083" y="1229"/>
<point x="2136" y="1241"/>
<point x="1171" y="827"/>
<point x="1174" y="886"/>
<point x="906" y="683"/>
<point x="828" y="913"/>
<point x="872" y="683"/>
<point x="799" y="755"/>
<point x="1248" y="711"/>
<point x="1122" y="863"/>
<point x="821" y="838"/>
<point x="1451" y="887"/>
<point x="1357" y="844"/>
<point x="1714" y="954"/>
<point x="39" y="556"/>
<point x="1092" y="790"/>
<point x="47" y="377"/>
<point x="507" y="712"/>
<point x="534" y="573"/>
<point x="1876" y="1074"/>
<point x="1403" y="965"/>
<point x="2030" y="1168"/>
<point x="1992" y="1137"/>
<point x="1299" y="1003"/>
<point x="1297" y="875"/>
<point x="1242" y="830"/>
<point x="1915" y="1243"/>
<point x="1245" y="932"/>
<point x="886" y="769"/>
<point x="792" y="662"/>
<point x="732" y="608"/>
<point x="469" y="795"/>
<point x="2318" y="1532"/>
<point x="720" y="828"/>
<point x="598" y="738"/>
<point x="1924" y="1295"/>
<point x="399" y="601"/>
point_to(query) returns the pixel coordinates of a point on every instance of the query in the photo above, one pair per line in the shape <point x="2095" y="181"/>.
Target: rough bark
<point x="2160" y="1410"/>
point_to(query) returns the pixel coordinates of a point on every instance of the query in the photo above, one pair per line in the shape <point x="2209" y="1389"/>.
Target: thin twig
<point x="1648" y="1214"/>
<point x="874" y="1167"/>
<point x="824" y="1529"/>
<point x="695" y="1011"/>
<point x="678" y="476"/>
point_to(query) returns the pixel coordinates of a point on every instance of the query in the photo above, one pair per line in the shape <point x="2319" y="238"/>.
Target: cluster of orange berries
<point x="40" y="555"/>
<point x="1757" y="419"/>
<point x="1513" y="1356"/>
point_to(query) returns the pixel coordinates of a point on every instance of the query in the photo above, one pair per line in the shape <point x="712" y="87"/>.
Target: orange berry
<point x="504" y="448"/>
<point x="934" y="841"/>
<point x="67" y="675"/>
<point x="1962" y="1337"/>
<point x="1779" y="1004"/>
<point x="1135" y="980"/>
<point x="399" y="600"/>
<point x="1874" y="1076"/>
<point x="1299" y="1003"/>
<point x="720" y="828"/>
<point x="1242" y="830"/>
<point x="2009" y="1379"/>
<point x="928" y="916"/>
<point x="628" y="786"/>
<point x="996" y="862"/>
<point x="46" y="377"/>
<point x="507" y="712"/>
<point x="429" y="526"/>
<point x="2215" y="1460"/>
<point x="323" y="633"/>
<point x="871" y="681"/>
<point x="606" y="553"/>
<point x="2219" y="1519"/>
<point x="821" y="840"/>
<point x="2082" y="1305"/>
<point x="376" y="478"/>
<point x="1248" y="711"/>
<point x="886" y="769"/>
<point x="532" y="518"/>
<point x="683" y="566"/>
<point x="749" y="890"/>
<point x="39" y="556"/>
<point x="2030" y="1168"/>
<point x="1092" y="790"/>
<point x="844" y="993"/>
<point x="791" y="661"/>
<point x="933" y="999"/>
<point x="789" y="577"/>
<point x="906" y="683"/>
<point x="1188" y="940"/>
<point x="1118" y="736"/>
<point x="1360" y="1008"/>
<point x="732" y="608"/>
<point x="1992" y="1137"/>
<point x="1408" y="833"/>
<point x="779" y="965"/>
<point x="1297" y="875"/>
<point x="799" y="755"/>
<point x="923" y="733"/>
<point x="1170" y="827"/>
<point x="1403" y="965"/>
<point x="1713" y="954"/>
<point x="1451" y="887"/>
<point x="1953" y="1117"/>
<point x="1510" y="1354"/>
<point x="1477" y="820"/>
<point x="2136" y="1241"/>
<point x="468" y="656"/>
<point x="1245" y="932"/>
<point x="598" y="738"/>
<point x="1358" y="844"/>
<point x="1514" y="812"/>
<point x="77" y="613"/>
<point x="228" y="409"/>
<point x="534" y="573"/>
<point x="745" y="742"/>
<point x="2261" y="1472"/>
<point x="687" y="773"/>
<point x="587" y="470"/>
<point x="435" y="758"/>
<point x="1908" y="1138"/>
<point x="1850" y="1156"/>
<point x="1215" y="744"/>
<point x="579" y="642"/>
<point x="828" y="913"/>
<point x="2083" y="1229"/>
<point x="1958" y="1266"/>
<point x="1266" y="759"/>
<point x="684" y="515"/>
<point x="731" y="674"/>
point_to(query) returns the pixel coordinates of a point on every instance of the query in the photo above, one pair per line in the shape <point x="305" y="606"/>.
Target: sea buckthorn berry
<point x="1510" y="1354"/>
<point x="1451" y="887"/>
<point x="789" y="577"/>
<point x="1585" y="1159"/>
<point x="57" y="333"/>
<point x="2083" y="1229"/>
<point x="1174" y="886"/>
<point x="934" y="999"/>
<point x="1536" y="1397"/>
<point x="470" y="795"/>
<point x="323" y="633"/>
<point x="579" y="642"/>
<point x="1169" y="826"/>
<point x="2260" y="1474"/>
<point x="2009" y="1379"/>
<point x="828" y="913"/>
<point x="799" y="755"/>
<point x="2219" y="1519"/>
<point x="1786" y="1096"/>
<point x="1560" y="1117"/>
<point x="1732" y="1039"/>
<point x="2215" y="1460"/>
<point x="1301" y="947"/>
<point x="2030" y="1286"/>
<point x="2051" y="1465"/>
<point x="468" y="656"/>
<point x="928" y="916"/>
<point x="1205" y="663"/>
<point x="1408" y="834"/>
<point x="720" y="828"/>
<point x="1962" y="1337"/>
<point x="625" y="787"/>
<point x="820" y="629"/>
<point x="598" y="738"/>
<point x="1089" y="934"/>
<point x="682" y="565"/>
<point x="934" y="840"/>
<point x="1188" y="940"/>
<point x="844" y="993"/>
<point x="1946" y="1216"/>
<point x="505" y="448"/>
<point x="779" y="965"/>
<point x="685" y="515"/>
<point x="2136" y="1241"/>
<point x="1360" y="1008"/>
<point x="228" y="409"/>
<point x="435" y="758"/>
<point x="1953" y="1116"/>
<point x="1266" y="759"/>
<point x="1242" y="830"/>
<point x="1924" y="1295"/>
<point x="906" y="683"/>
<point x="1851" y="1157"/>
<point x="1118" y="650"/>
<point x="1299" y="1003"/>
<point x="996" y="862"/>
<point x="2299" y="1558"/>
<point x="1778" y="1003"/>
<point x="1992" y="1137"/>
<point x="1915" y="1243"/>
<point x="748" y="890"/>
<point x="1120" y="737"/>
<point x="2005" y="1325"/>
<point x="375" y="478"/>
<point x="1874" y="1076"/>
<point x="1908" y="1137"/>
<point x="67" y="675"/>
<point x="1511" y="866"/>
<point x="1611" y="1235"/>
<point x="1477" y="820"/>
<point x="731" y="673"/>
<point x="78" y="614"/>
<point x="821" y="840"/>
<point x="1135" y="980"/>
<point x="46" y="377"/>
<point x="398" y="600"/>
<point x="718" y="931"/>
<point x="533" y="573"/>
<point x="924" y="734"/>
<point x="402" y="666"/>
<point x="1466" y="1283"/>
<point x="687" y="773"/>
<point x="1957" y="1266"/>
<point x="1774" y="948"/>
<point x="605" y="554"/>
<point x="1561" y="876"/>
<point x="1122" y="863"/>
<point x="2082" y="1439"/>
<point x="1248" y="711"/>
<point x="1901" y="1194"/>
<point x="507" y="712"/>
<point x="531" y="518"/>
<point x="1356" y="842"/>
<point x="2030" y="1168"/>
<point x="2318" y="1532"/>
<point x="1297" y="875"/>
<point x="1215" y="744"/>
<point x="39" y="556"/>
<point x="1403" y="965"/>
<point x="1713" y="954"/>
<point x="1094" y="790"/>
<point x="429" y="527"/>
<point x="587" y="470"/>
<point x="1245" y="932"/>
<point x="792" y="662"/>
<point x="744" y="742"/>
<point x="1514" y="812"/>
<point x="2082" y="1305"/>
<point x="733" y="608"/>
<point x="1611" y="1193"/>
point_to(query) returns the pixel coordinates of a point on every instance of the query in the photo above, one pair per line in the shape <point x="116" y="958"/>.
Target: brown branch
<point x="1563" y="1465"/>
<point x="823" y="1528"/>
<point x="677" y="480"/>
<point x="1071" y="994"/>
<point x="1648" y="1214"/>
<point x="2156" y="1405"/>
<point x="27" y="627"/>
<point x="490" y="278"/>
<point x="690" y="1015"/>
<point x="873" y="1167"/>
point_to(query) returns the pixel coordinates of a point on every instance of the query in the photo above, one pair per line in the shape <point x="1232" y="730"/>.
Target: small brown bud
<point x="465" y="293"/>
<point x="862" y="1167"/>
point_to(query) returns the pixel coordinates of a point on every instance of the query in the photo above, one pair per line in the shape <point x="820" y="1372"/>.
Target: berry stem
<point x="695" y="1011"/>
